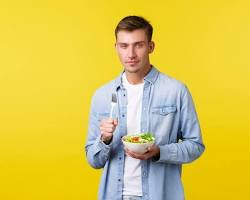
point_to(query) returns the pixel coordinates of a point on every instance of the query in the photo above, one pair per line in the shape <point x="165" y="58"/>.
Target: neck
<point x="137" y="77"/>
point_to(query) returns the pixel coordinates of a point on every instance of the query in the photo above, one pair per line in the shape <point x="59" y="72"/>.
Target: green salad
<point x="139" y="138"/>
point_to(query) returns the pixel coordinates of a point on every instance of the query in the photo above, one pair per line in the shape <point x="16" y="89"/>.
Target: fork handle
<point x="111" y="111"/>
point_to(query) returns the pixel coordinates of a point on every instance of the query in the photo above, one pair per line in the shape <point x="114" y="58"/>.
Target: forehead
<point x="131" y="36"/>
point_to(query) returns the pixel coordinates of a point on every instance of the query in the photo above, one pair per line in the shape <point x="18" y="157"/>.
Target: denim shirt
<point x="168" y="112"/>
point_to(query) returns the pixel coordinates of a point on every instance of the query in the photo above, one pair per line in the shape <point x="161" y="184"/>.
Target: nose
<point x="131" y="53"/>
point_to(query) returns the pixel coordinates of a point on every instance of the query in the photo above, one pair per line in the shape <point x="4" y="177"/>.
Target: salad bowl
<point x="138" y="143"/>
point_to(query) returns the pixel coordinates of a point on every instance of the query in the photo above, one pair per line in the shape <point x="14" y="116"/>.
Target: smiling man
<point x="145" y="100"/>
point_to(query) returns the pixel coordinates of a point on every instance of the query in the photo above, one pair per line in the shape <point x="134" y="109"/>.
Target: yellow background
<point x="54" y="54"/>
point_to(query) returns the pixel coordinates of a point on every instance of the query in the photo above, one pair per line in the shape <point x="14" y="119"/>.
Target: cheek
<point x="143" y="54"/>
<point x="122" y="59"/>
<point x="122" y="56"/>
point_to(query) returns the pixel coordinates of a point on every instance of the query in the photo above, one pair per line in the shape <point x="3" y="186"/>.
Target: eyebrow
<point x="138" y="42"/>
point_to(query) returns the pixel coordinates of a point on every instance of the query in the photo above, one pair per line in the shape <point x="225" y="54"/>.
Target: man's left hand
<point x="152" y="151"/>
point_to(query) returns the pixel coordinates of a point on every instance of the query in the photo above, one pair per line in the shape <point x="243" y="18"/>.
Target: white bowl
<point x="140" y="148"/>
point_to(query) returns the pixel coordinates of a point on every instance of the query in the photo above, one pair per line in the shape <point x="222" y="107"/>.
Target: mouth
<point x="132" y="62"/>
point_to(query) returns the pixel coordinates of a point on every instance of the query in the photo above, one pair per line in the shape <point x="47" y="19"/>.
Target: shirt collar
<point x="150" y="77"/>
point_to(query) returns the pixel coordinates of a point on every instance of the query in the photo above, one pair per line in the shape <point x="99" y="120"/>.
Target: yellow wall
<point x="54" y="54"/>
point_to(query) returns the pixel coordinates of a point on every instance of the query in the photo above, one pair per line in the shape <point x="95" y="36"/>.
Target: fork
<point x="113" y="104"/>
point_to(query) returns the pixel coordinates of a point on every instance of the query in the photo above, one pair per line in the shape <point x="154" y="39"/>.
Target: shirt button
<point x="124" y="95"/>
<point x="144" y="174"/>
<point x="120" y="158"/>
<point x="119" y="179"/>
<point x="123" y="115"/>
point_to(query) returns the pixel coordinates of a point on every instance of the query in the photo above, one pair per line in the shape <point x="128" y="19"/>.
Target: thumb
<point x="149" y="148"/>
<point x="115" y="122"/>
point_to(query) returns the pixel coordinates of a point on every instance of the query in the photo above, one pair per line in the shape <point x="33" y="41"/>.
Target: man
<point x="147" y="101"/>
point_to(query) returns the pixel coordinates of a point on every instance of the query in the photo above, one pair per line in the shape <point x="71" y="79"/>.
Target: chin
<point x="132" y="69"/>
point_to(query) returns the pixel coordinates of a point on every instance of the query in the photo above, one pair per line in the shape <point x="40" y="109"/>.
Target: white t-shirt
<point x="132" y="167"/>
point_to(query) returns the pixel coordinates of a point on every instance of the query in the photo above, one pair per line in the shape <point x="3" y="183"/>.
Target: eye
<point x="123" y="46"/>
<point x="139" y="45"/>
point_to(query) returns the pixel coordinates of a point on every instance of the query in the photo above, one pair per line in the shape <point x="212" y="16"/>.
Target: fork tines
<point x="114" y="98"/>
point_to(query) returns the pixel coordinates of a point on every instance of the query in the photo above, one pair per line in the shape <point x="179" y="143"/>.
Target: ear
<point x="115" y="45"/>
<point x="151" y="46"/>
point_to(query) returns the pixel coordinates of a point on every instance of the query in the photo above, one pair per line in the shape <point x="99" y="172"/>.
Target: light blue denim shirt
<point x="169" y="113"/>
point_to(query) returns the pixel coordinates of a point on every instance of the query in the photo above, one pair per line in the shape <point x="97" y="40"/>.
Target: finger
<point x="107" y="125"/>
<point x="130" y="154"/>
<point x="115" y="122"/>
<point x="109" y="120"/>
<point x="127" y="152"/>
<point x="105" y="129"/>
<point x="152" y="147"/>
<point x="105" y="122"/>
<point x="145" y="156"/>
<point x="107" y="134"/>
<point x="135" y="155"/>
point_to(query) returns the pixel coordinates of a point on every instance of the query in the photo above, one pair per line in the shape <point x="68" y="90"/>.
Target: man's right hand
<point x="107" y="127"/>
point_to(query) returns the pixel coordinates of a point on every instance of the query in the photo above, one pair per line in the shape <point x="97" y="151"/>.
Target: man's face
<point x="133" y="49"/>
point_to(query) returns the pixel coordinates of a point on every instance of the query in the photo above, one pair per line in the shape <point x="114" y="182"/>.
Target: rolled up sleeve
<point x="191" y="146"/>
<point x="97" y="152"/>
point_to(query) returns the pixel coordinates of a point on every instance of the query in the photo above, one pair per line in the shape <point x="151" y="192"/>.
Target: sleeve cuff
<point x="167" y="153"/>
<point x="101" y="146"/>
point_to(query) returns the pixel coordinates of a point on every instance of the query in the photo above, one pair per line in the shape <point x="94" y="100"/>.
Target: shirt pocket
<point x="164" y="110"/>
<point x="162" y="122"/>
